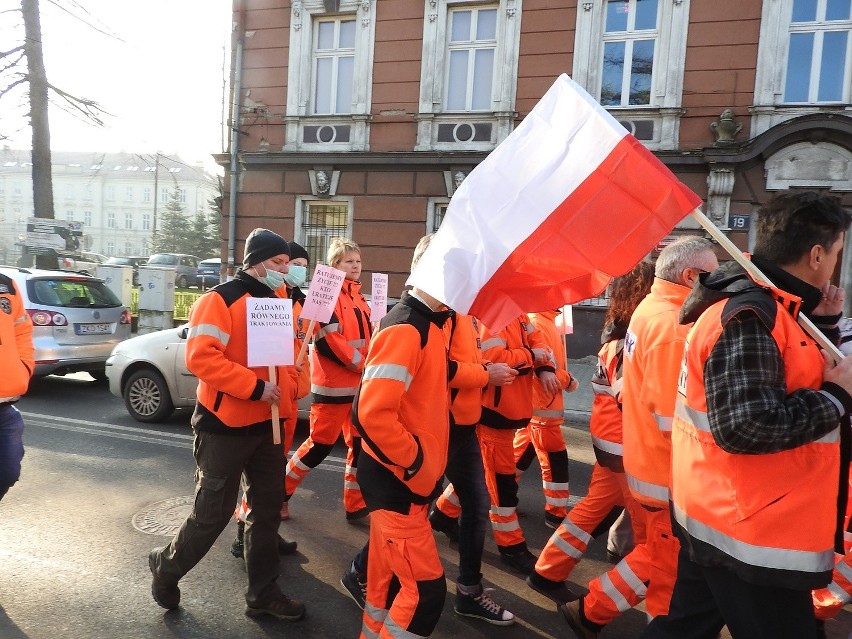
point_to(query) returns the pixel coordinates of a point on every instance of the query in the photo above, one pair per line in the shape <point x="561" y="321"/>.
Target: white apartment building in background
<point x="118" y="197"/>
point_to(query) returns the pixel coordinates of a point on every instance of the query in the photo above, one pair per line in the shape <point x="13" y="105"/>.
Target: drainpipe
<point x="235" y="145"/>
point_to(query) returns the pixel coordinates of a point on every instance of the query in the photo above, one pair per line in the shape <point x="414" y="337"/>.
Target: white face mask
<point x="273" y="279"/>
<point x="296" y="275"/>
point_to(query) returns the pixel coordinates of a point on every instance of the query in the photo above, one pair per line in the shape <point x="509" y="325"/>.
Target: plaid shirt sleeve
<point x="748" y="406"/>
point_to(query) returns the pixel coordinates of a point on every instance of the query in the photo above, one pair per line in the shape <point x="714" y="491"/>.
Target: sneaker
<point x="555" y="590"/>
<point x="354" y="516"/>
<point x="285" y="511"/>
<point x="166" y="594"/>
<point x="285" y="546"/>
<point x="356" y="586"/>
<point x="238" y="547"/>
<point x="281" y="607"/>
<point x="552" y="521"/>
<point x="613" y="557"/>
<point x="521" y="560"/>
<point x="445" y="524"/>
<point x="482" y="606"/>
<point x="573" y="613"/>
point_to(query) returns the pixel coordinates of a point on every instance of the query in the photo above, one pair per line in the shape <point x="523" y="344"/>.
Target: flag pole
<point x="307" y="339"/>
<point x="757" y="274"/>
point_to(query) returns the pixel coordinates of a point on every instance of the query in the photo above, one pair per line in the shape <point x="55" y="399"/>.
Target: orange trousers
<point x="607" y="491"/>
<point x="327" y="421"/>
<point x="545" y="436"/>
<point x="498" y="458"/>
<point x="653" y="562"/>
<point x="405" y="579"/>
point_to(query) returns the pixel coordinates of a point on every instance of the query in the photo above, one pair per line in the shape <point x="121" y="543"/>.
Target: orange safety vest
<point x="16" y="342"/>
<point x="548" y="408"/>
<point x="653" y="349"/>
<point x="467" y="373"/>
<point x="605" y="422"/>
<point x="770" y="517"/>
<point x="340" y="347"/>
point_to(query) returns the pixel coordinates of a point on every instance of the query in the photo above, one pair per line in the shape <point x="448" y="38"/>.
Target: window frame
<point x="301" y="206"/>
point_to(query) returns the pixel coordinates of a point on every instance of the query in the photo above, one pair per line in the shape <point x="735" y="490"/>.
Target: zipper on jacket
<point x="218" y="402"/>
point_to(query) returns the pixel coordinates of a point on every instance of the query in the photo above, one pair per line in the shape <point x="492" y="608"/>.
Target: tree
<point x="174" y="230"/>
<point x="204" y="239"/>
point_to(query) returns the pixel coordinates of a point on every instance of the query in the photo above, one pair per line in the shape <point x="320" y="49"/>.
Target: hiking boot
<point x="552" y="521"/>
<point x="356" y="586"/>
<point x="285" y="546"/>
<point x="445" y="524"/>
<point x="520" y="559"/>
<point x="165" y="593"/>
<point x="285" y="511"/>
<point x="281" y="607"/>
<point x="555" y="590"/>
<point x="482" y="606"/>
<point x="238" y="545"/>
<point x="356" y="515"/>
<point x="573" y="613"/>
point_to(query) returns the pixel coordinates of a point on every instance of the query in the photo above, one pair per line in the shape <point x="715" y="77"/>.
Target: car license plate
<point x="92" y="329"/>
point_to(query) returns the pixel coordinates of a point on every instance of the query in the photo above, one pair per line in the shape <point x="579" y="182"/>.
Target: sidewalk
<point x="578" y="405"/>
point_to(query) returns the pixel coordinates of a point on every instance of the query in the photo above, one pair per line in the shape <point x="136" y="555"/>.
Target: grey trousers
<point x="221" y="460"/>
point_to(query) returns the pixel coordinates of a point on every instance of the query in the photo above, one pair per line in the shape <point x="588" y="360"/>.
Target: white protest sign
<point x="379" y="297"/>
<point x="322" y="294"/>
<point x="270" y="331"/>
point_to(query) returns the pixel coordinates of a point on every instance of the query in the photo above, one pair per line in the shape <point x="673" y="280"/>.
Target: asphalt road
<point x="73" y="565"/>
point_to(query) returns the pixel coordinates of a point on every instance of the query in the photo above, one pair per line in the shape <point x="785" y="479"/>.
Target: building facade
<point x="361" y="117"/>
<point x="116" y="197"/>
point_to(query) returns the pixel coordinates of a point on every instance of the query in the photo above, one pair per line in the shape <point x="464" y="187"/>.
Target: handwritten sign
<point x="270" y="331"/>
<point x="379" y="297"/>
<point x="322" y="295"/>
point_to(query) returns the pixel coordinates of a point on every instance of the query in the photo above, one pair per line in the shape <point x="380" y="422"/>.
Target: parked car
<point x="208" y="273"/>
<point x="86" y="263"/>
<point x="77" y="320"/>
<point x="149" y="372"/>
<point x="134" y="261"/>
<point x="185" y="266"/>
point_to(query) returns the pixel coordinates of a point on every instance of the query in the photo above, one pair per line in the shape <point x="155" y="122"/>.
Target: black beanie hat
<point x="261" y="244"/>
<point x="297" y="250"/>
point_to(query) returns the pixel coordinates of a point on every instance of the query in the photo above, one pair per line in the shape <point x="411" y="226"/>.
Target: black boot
<point x="238" y="546"/>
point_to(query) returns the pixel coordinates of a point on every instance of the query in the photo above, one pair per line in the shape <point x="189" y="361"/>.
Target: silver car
<point x="77" y="320"/>
<point x="149" y="372"/>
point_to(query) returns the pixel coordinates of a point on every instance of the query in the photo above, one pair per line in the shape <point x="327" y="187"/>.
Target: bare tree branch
<point x="20" y="48"/>
<point x="89" y="108"/>
<point x="5" y="90"/>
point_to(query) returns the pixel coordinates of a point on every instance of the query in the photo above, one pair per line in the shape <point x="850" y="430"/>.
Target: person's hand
<point x="271" y="393"/>
<point x="839" y="373"/>
<point x="832" y="300"/>
<point x="573" y="385"/>
<point x="501" y="374"/>
<point x="542" y="355"/>
<point x="549" y="382"/>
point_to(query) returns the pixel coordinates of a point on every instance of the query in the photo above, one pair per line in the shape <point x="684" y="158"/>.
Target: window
<point x="468" y="74"/>
<point x="128" y="194"/>
<point x="87" y="192"/>
<point x="87" y="218"/>
<point x="110" y="220"/>
<point x="110" y="193"/>
<point x="16" y="189"/>
<point x="319" y="223"/>
<point x="804" y="61"/>
<point x="182" y="195"/>
<point x="436" y="209"/>
<point x="329" y="79"/>
<point x="69" y="215"/>
<point x="110" y="247"/>
<point x="128" y="248"/>
<point x="164" y="194"/>
<point x="146" y="221"/>
<point x="128" y="221"/>
<point x="146" y="194"/>
<point x="630" y="55"/>
<point x="70" y="192"/>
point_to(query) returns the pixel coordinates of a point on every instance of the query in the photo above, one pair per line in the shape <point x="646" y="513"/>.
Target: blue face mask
<point x="273" y="279"/>
<point x="296" y="275"/>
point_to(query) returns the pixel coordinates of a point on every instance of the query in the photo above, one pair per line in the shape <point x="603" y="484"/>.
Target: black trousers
<point x="706" y="599"/>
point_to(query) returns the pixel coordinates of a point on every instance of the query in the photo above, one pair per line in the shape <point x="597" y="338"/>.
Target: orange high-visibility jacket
<point x="653" y="349"/>
<point x="217" y="353"/>
<point x="16" y="342"/>
<point x="402" y="408"/>
<point x="340" y="348"/>
<point x="605" y="422"/>
<point x="468" y="374"/>
<point x="770" y="518"/>
<point x="549" y="408"/>
<point x="299" y="327"/>
<point x="510" y="406"/>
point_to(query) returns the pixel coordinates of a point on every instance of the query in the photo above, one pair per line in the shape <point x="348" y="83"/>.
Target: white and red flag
<point x="566" y="202"/>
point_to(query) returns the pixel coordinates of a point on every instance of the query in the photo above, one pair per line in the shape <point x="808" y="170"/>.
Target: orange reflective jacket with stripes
<point x="217" y="353"/>
<point x="16" y="342"/>
<point x="340" y="347"/>
<point x="510" y="406"/>
<point x="468" y="374"/>
<point x="548" y="408"/>
<point x="769" y="517"/>
<point x="605" y="422"/>
<point x="653" y="348"/>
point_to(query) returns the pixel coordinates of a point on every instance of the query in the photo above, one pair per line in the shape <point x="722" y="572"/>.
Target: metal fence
<point x="183" y="302"/>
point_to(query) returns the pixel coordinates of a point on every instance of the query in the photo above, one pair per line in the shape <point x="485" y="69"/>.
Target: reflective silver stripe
<point x="356" y="359"/>
<point x="847" y="536"/>
<point x="376" y="614"/>
<point x="555" y="485"/>
<point x="552" y="414"/>
<point x="503" y="511"/>
<point x="396" y="372"/>
<point x="357" y="343"/>
<point x="332" y="391"/>
<point x="603" y="389"/>
<point x="327" y="330"/>
<point x="612" y="592"/>
<point x="575" y="531"/>
<point x="608" y="446"/>
<point x="491" y="343"/>
<point x="556" y="501"/>
<point x="647" y="489"/>
<point x="366" y="632"/>
<point x="829" y="438"/>
<point x="844" y="569"/>
<point x="663" y="423"/>
<point x="21" y="319"/>
<point x="698" y="418"/>
<point x="211" y="330"/>
<point x="397" y="631"/>
<point x="450" y="496"/>
<point x="630" y="578"/>
<point x="617" y="384"/>
<point x="565" y="547"/>
<point x="351" y="485"/>
<point x="841" y="595"/>
<point x="508" y="526"/>
<point x="837" y="403"/>
<point x="761" y="556"/>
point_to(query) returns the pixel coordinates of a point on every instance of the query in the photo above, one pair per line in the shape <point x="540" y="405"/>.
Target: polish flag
<point x="565" y="203"/>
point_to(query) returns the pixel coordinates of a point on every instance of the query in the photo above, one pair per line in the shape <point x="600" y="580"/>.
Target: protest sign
<point x="379" y="297"/>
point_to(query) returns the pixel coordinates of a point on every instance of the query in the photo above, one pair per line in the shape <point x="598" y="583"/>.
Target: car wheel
<point x="182" y="281"/>
<point x="147" y="397"/>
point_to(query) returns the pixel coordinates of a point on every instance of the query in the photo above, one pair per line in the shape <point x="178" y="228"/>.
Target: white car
<point x="149" y="372"/>
<point x="85" y="263"/>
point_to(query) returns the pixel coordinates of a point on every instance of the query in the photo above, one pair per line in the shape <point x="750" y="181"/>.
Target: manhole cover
<point x="164" y="517"/>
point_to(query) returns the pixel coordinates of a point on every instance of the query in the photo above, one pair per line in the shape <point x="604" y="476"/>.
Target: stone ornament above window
<point x="324" y="181"/>
<point x="453" y="179"/>
<point x="726" y="128"/>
